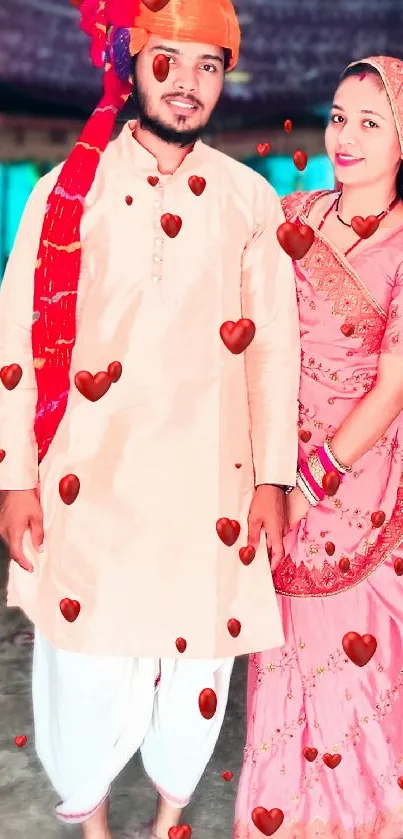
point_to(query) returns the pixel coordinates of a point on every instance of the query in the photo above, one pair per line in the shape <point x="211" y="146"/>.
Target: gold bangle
<point x="333" y="459"/>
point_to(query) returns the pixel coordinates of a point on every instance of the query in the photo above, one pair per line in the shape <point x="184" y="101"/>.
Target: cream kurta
<point x="156" y="455"/>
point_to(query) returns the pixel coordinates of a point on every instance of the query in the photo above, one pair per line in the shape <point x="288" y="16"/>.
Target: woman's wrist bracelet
<point x="335" y="464"/>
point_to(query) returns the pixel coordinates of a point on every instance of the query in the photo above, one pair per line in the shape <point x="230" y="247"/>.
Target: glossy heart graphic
<point x="129" y="200"/>
<point x="92" y="387"/>
<point x="295" y="239"/>
<point x="288" y="126"/>
<point x="304" y="435"/>
<point x="400" y="782"/>
<point x="344" y="565"/>
<point x="114" y="371"/>
<point x="69" y="487"/>
<point x="398" y="566"/>
<point x="197" y="184"/>
<point x="228" y="530"/>
<point x="152" y="180"/>
<point x="365" y="227"/>
<point x="247" y="555"/>
<point x="330" y="548"/>
<point x="161" y="67"/>
<point x="300" y="159"/>
<point x="263" y="149"/>
<point x="181" y="831"/>
<point x="238" y="465"/>
<point x="331" y="483"/>
<point x="378" y="519"/>
<point x="267" y="821"/>
<point x="207" y="703"/>
<point x="180" y="645"/>
<point x="21" y="740"/>
<point x="70" y="609"/>
<point x="359" y="648"/>
<point x="347" y="329"/>
<point x="2" y="455"/>
<point x="171" y="225"/>
<point x="234" y="627"/>
<point x="156" y="6"/>
<point x="227" y="776"/>
<point x="310" y="754"/>
<point x="331" y="760"/>
<point x="237" y="336"/>
<point x="10" y="375"/>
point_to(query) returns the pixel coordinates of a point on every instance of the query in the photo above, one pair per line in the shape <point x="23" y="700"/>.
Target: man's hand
<point x="20" y="510"/>
<point x="297" y="507"/>
<point x="268" y="512"/>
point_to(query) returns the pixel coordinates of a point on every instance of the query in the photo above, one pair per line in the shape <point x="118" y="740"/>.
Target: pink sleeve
<point x="273" y="358"/>
<point x="392" y="341"/>
<point x="19" y="469"/>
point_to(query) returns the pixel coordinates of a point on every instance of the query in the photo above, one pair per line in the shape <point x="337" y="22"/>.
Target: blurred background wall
<point x="292" y="54"/>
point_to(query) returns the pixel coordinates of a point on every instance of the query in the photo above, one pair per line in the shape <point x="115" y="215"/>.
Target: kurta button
<point x="157" y="258"/>
<point x="156" y="279"/>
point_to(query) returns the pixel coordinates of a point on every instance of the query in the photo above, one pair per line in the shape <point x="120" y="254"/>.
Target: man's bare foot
<point x="97" y="826"/>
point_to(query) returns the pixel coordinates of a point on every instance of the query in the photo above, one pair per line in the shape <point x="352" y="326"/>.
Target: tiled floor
<point x="26" y="798"/>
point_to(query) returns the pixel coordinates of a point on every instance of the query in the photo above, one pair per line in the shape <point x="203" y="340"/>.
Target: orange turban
<point x="200" y="21"/>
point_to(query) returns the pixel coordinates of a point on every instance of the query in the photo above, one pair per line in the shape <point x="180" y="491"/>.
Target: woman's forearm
<point x="366" y="424"/>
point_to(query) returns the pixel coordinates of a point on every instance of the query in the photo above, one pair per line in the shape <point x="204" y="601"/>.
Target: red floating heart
<point x="69" y="487"/>
<point x="129" y="200"/>
<point x="92" y="387"/>
<point x="267" y="821"/>
<point x="114" y="371"/>
<point x="288" y="126"/>
<point x="247" y="555"/>
<point x="359" y="648"/>
<point x="152" y="180"/>
<point x="263" y="149"/>
<point x="10" y="375"/>
<point x="331" y="483"/>
<point x="378" y="518"/>
<point x="237" y="336"/>
<point x="304" y="436"/>
<point x="171" y="225"/>
<point x="398" y="566"/>
<point x="238" y="465"/>
<point x="300" y="159"/>
<point x="331" y="760"/>
<point x="310" y="753"/>
<point x="2" y="455"/>
<point x="70" y="609"/>
<point x="155" y="5"/>
<point x="347" y="329"/>
<point x="228" y="530"/>
<point x="180" y="645"/>
<point x="344" y="565"/>
<point x="180" y="831"/>
<point x="400" y="782"/>
<point x="365" y="227"/>
<point x="227" y="776"/>
<point x="330" y="548"/>
<point x="295" y="239"/>
<point x="207" y="703"/>
<point x="21" y="740"/>
<point x="234" y="627"/>
<point x="197" y="184"/>
<point x="161" y="67"/>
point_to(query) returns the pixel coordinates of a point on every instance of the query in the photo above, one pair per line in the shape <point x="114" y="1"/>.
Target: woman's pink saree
<point x="309" y="694"/>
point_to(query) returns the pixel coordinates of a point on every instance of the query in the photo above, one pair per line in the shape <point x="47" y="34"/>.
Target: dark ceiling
<point x="292" y="52"/>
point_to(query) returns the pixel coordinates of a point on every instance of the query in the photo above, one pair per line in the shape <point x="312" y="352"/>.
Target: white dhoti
<point x="92" y="714"/>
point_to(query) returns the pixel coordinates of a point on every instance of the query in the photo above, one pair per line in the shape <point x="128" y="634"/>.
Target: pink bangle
<point x="327" y="463"/>
<point x="310" y="480"/>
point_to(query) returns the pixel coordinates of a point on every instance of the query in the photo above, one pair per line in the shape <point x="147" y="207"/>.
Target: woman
<point x="325" y="729"/>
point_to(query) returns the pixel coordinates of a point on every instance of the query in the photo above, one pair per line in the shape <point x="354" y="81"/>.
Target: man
<point x="144" y="419"/>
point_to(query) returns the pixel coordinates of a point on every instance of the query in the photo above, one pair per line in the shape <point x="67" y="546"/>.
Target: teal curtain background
<point x="18" y="179"/>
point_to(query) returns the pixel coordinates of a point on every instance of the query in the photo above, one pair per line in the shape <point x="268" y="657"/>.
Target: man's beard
<point x="173" y="136"/>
